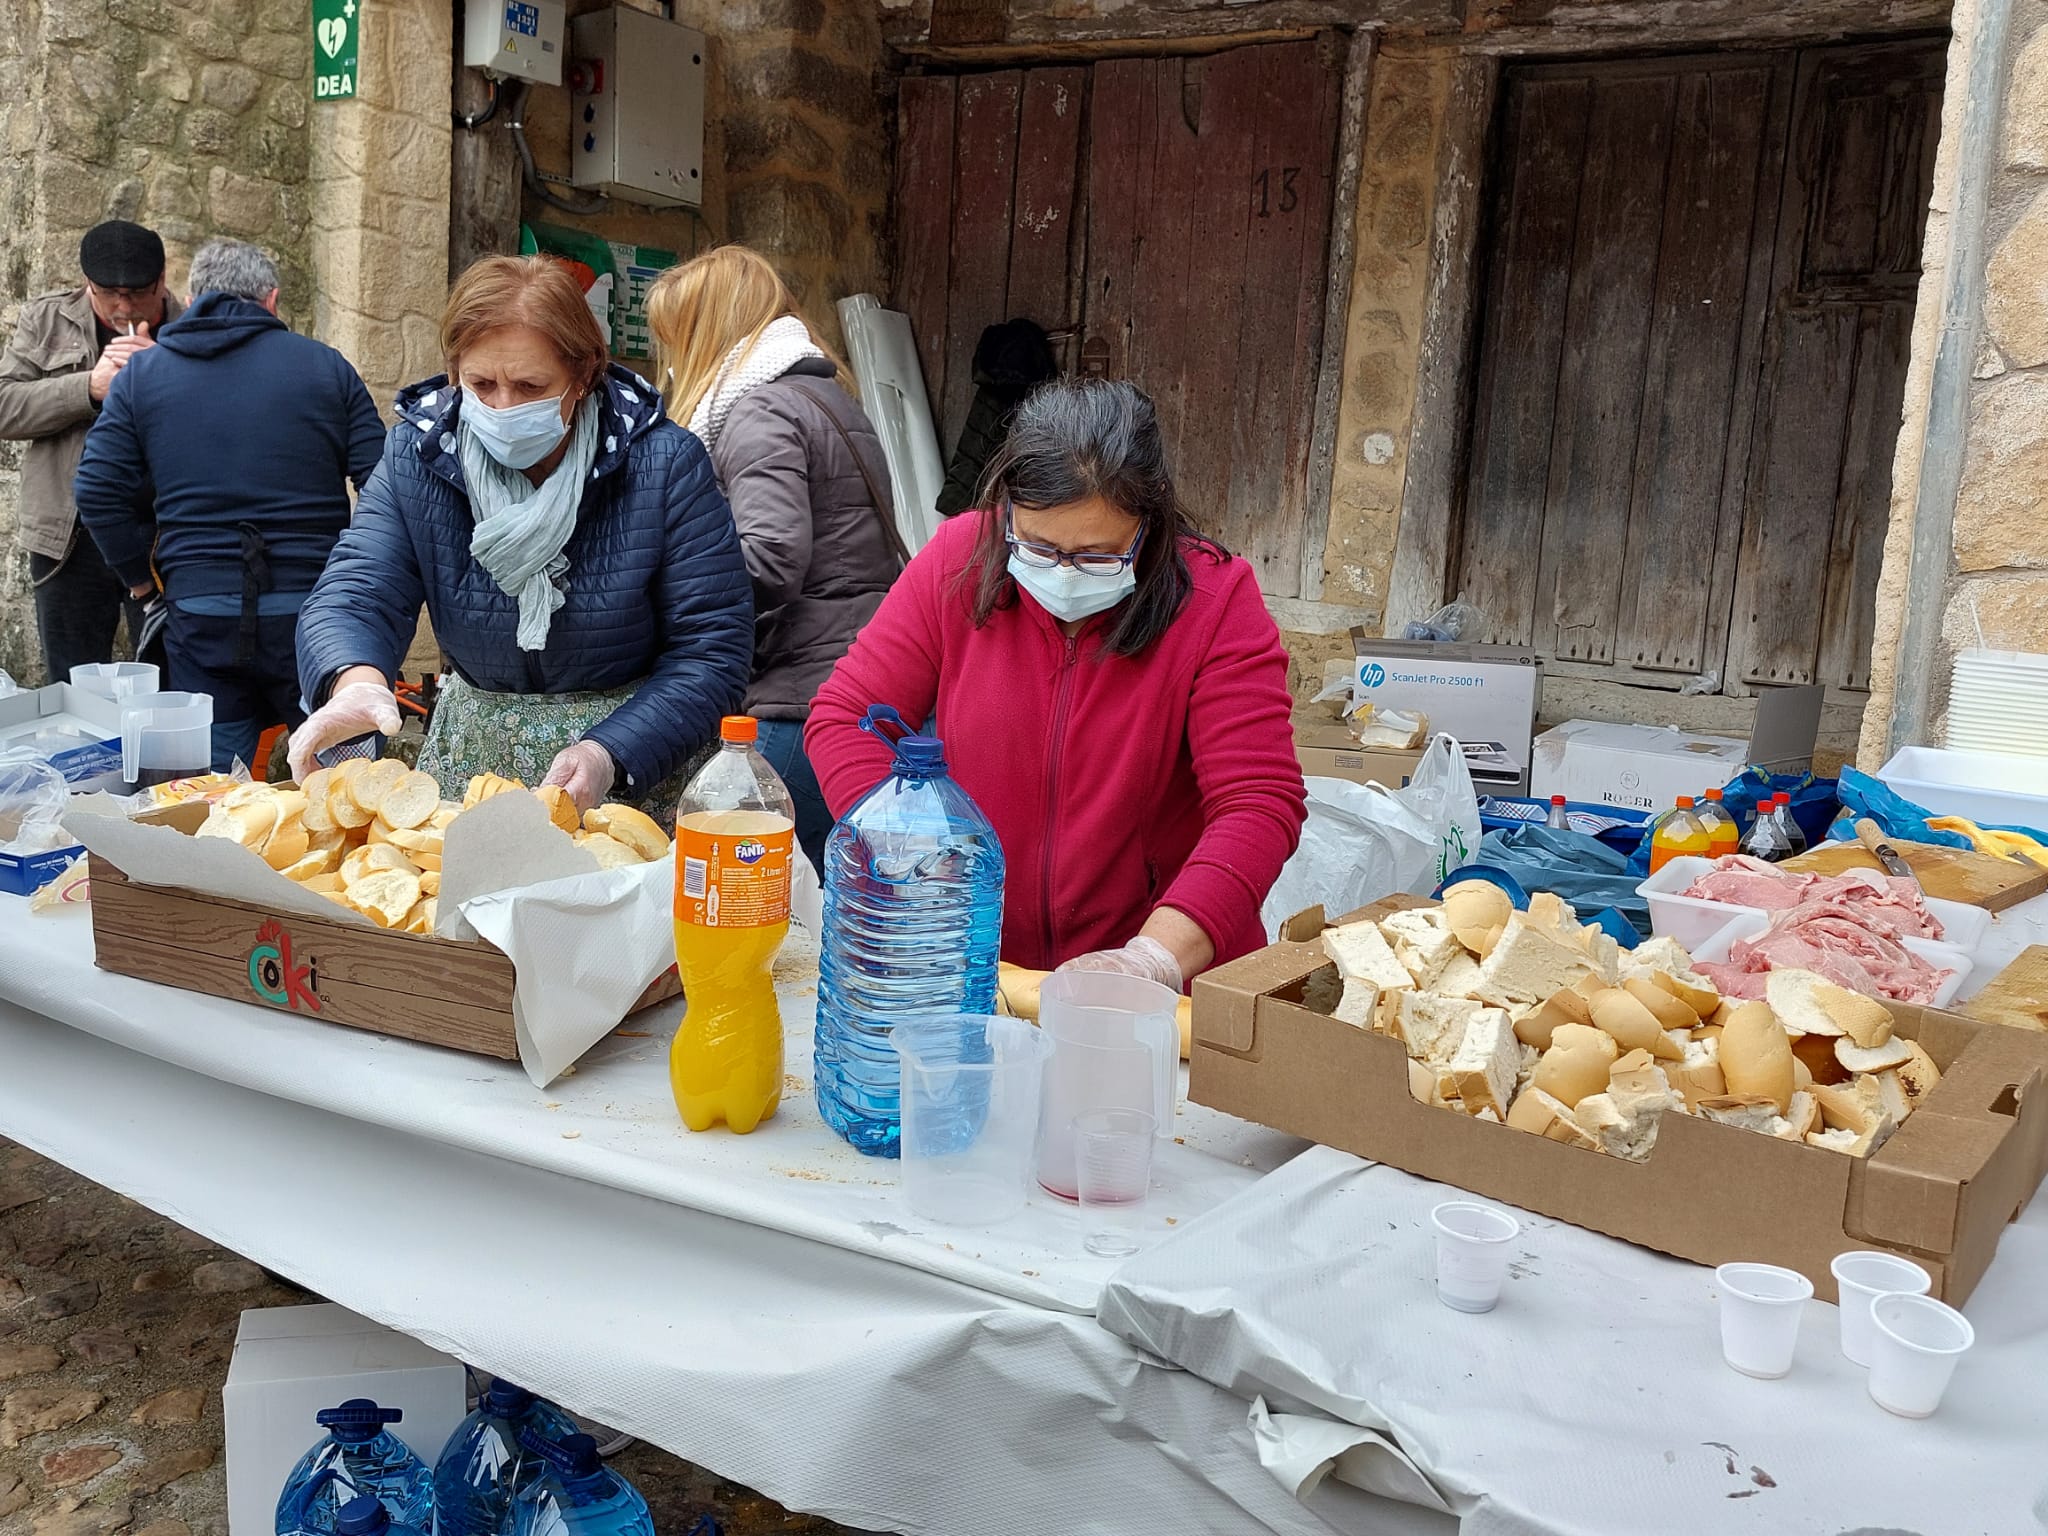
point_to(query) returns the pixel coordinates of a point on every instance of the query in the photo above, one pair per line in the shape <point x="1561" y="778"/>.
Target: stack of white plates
<point x="1998" y="702"/>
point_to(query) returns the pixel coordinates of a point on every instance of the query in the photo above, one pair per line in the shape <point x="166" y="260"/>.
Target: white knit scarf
<point x="785" y="343"/>
<point x="521" y="528"/>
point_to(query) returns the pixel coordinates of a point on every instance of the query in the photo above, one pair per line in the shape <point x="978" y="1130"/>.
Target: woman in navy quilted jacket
<point x="573" y="550"/>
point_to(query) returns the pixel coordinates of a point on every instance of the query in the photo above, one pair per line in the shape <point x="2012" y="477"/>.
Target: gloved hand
<point x="585" y="770"/>
<point x="355" y="709"/>
<point x="1143" y="956"/>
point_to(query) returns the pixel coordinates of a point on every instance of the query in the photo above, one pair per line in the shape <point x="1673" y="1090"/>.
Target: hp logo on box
<point x="1371" y="675"/>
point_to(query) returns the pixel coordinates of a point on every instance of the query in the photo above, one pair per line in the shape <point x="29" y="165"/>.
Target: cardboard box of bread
<point x="1527" y="1057"/>
<point x="339" y="898"/>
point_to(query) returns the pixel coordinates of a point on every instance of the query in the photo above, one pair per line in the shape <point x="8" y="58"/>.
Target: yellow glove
<point x="1997" y="844"/>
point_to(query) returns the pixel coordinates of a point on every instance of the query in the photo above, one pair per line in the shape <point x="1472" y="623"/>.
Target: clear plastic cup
<point x="1113" y="1168"/>
<point x="971" y="1089"/>
<point x="1471" y="1253"/>
<point x="1116" y="1045"/>
<point x="1915" y="1344"/>
<point x="1860" y="1278"/>
<point x="1760" y="1309"/>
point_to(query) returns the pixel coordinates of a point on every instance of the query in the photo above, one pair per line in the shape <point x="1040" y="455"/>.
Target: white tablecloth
<point x="1593" y="1401"/>
<point x="763" y="1306"/>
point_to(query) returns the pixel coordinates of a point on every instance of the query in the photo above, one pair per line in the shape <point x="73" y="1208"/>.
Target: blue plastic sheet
<point x="1897" y="816"/>
<point x="1583" y="870"/>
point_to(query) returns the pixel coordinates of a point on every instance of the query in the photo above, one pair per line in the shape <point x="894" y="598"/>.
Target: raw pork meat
<point x="1826" y="937"/>
<point x="1885" y="904"/>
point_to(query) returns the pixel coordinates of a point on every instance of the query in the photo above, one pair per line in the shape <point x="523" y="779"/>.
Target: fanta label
<point x="729" y="877"/>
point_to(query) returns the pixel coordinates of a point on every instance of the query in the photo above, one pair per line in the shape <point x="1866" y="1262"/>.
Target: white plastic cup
<point x="1860" y="1278"/>
<point x="1915" y="1344"/>
<point x="1760" y="1308"/>
<point x="1471" y="1253"/>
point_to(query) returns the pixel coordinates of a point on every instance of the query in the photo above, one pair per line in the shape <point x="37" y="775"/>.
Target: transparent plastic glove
<point x="585" y="770"/>
<point x="1143" y="956"/>
<point x="356" y="709"/>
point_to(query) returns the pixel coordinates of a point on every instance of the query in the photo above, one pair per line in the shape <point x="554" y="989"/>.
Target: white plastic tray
<point x="1749" y="924"/>
<point x="1693" y="921"/>
<point x="1991" y="787"/>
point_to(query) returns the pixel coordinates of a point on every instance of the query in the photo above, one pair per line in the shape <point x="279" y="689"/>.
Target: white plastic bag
<point x="1364" y="841"/>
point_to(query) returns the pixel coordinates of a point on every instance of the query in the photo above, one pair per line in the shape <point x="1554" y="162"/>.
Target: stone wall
<point x="796" y="147"/>
<point x="1996" y="571"/>
<point x="186" y="115"/>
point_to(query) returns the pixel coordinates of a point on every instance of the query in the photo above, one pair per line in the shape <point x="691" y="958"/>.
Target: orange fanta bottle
<point x="735" y="828"/>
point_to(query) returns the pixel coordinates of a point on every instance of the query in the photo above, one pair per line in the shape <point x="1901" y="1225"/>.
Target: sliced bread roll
<point x="636" y="829"/>
<point x="1529" y="963"/>
<point x="1919" y="1075"/>
<point x="1670" y="1012"/>
<point x="1540" y="1114"/>
<point x="1632" y="1024"/>
<point x="1854" y="1143"/>
<point x="1622" y="1130"/>
<point x="1434" y="1027"/>
<point x="1814" y="1005"/>
<point x="1577" y="1064"/>
<point x="1486" y="1063"/>
<point x="1756" y="1055"/>
<point x="1565" y="1006"/>
<point x="1477" y="913"/>
<point x="1361" y="951"/>
<point x="1895" y="1052"/>
<point x="1751" y="1112"/>
<point x="1856" y="1105"/>
<point x="1697" y="1072"/>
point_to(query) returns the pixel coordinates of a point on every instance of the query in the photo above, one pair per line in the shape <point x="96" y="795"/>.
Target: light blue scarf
<point x="522" y="528"/>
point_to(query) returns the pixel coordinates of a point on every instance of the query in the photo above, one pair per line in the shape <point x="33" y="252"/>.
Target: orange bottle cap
<point x="1685" y="802"/>
<point x="1714" y="795"/>
<point x="739" y="728"/>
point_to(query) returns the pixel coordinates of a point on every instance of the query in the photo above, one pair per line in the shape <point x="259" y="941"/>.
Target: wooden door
<point x="1700" y="283"/>
<point x="1169" y="218"/>
<point x="1861" y="170"/>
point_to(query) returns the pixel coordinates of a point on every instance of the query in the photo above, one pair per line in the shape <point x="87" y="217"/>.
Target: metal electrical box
<point x="520" y="38"/>
<point x="636" y="107"/>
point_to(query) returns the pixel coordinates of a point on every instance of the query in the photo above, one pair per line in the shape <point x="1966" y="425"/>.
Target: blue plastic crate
<point x="23" y="874"/>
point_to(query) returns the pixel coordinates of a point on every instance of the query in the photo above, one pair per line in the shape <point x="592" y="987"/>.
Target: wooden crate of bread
<point x="409" y="984"/>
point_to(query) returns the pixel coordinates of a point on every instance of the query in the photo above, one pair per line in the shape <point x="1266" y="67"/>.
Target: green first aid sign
<point x="337" y="27"/>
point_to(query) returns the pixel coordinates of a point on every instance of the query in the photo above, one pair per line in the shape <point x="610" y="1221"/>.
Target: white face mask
<point x="1070" y="595"/>
<point x="517" y="436"/>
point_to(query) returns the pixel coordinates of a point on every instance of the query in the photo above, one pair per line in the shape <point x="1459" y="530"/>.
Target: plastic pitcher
<point x="1116" y="1045"/>
<point x="116" y="679"/>
<point x="972" y="1086"/>
<point x="165" y="736"/>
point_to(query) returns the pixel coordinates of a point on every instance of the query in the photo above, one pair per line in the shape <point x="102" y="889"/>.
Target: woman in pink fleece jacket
<point x="1110" y="689"/>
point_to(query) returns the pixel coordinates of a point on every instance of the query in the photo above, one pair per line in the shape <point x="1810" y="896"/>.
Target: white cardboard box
<point x="1647" y="767"/>
<point x="1479" y="693"/>
<point x="291" y="1362"/>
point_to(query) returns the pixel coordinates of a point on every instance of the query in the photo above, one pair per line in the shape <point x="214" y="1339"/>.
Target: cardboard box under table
<point x="452" y="992"/>
<point x="1940" y="1191"/>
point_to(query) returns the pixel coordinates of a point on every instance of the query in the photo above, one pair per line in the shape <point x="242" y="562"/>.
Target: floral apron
<point x="518" y="734"/>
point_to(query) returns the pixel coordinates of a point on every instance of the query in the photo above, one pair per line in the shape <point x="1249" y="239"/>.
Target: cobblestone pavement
<point x="115" y="1331"/>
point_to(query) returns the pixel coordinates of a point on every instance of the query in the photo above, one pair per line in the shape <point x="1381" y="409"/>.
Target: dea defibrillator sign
<point x="337" y="27"/>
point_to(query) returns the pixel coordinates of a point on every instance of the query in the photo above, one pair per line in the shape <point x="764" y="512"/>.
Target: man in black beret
<point x="66" y="350"/>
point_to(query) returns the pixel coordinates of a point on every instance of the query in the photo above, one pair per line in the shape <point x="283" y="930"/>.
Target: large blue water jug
<point x="913" y="921"/>
<point x="576" y="1494"/>
<point x="483" y="1467"/>
<point x="358" y="1456"/>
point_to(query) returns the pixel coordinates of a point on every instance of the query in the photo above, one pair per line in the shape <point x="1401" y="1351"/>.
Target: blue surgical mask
<point x="517" y="436"/>
<point x="1070" y="595"/>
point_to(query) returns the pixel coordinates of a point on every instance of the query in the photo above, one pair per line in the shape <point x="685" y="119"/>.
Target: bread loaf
<point x="1756" y="1055"/>
<point x="1577" y="1064"/>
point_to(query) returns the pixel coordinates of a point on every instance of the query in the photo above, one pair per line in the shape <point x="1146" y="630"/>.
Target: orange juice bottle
<point x="735" y="828"/>
<point x="1724" y="834"/>
<point x="1677" y="833"/>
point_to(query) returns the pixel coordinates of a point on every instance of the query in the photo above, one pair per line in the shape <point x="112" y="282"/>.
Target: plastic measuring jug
<point x="972" y="1086"/>
<point x="1115" y="1045"/>
<point x="116" y="679"/>
<point x="165" y="736"/>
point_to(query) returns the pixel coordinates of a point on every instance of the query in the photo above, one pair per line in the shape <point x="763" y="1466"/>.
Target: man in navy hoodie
<point x="220" y="469"/>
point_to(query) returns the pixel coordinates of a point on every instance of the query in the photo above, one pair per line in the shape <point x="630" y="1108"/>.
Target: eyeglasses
<point x="1044" y="557"/>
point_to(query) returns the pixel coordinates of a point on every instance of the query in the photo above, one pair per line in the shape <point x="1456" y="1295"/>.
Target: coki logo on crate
<point x="277" y="979"/>
<point x="749" y="850"/>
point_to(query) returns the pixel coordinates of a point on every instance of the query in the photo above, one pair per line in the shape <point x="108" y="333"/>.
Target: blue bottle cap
<point x="504" y="1399"/>
<point x="358" y="1419"/>
<point x="921" y="754"/>
<point x="363" y="1516"/>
